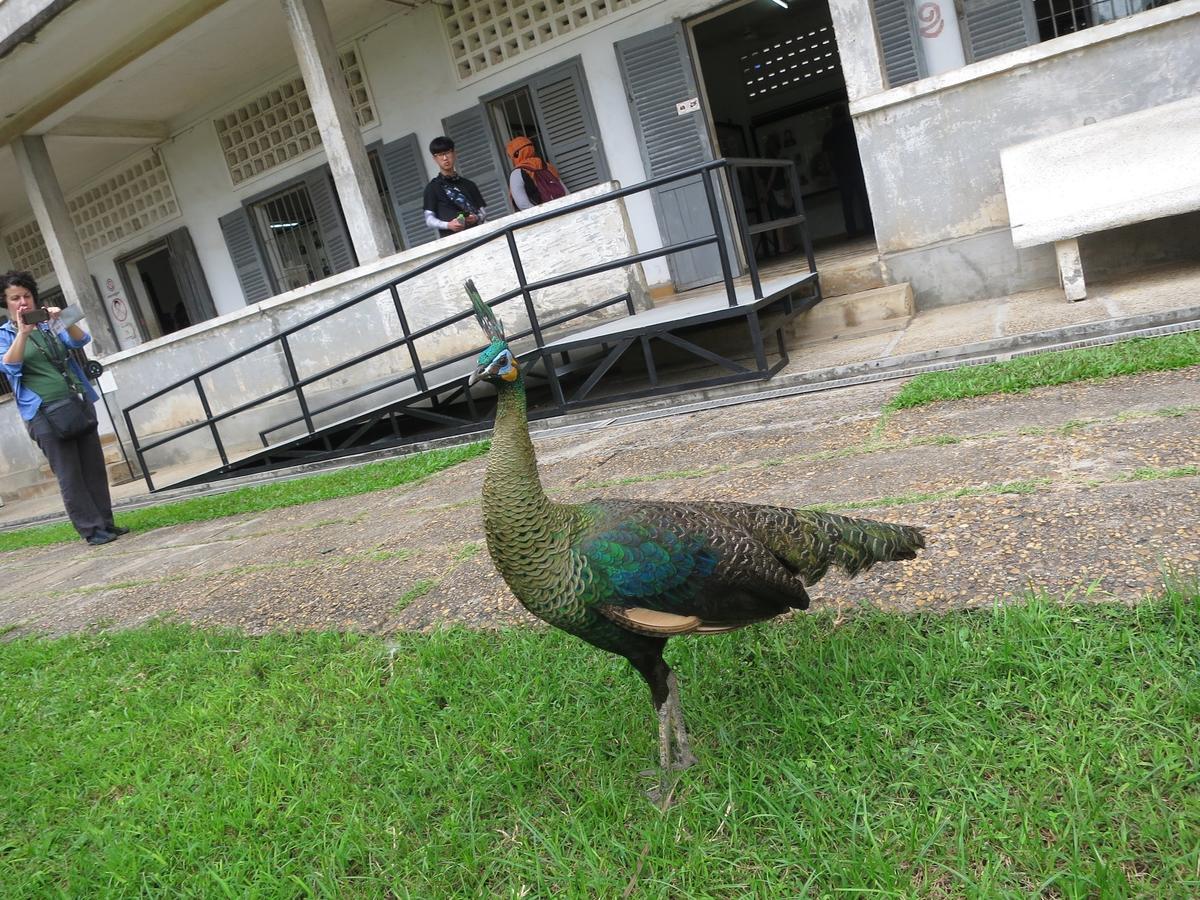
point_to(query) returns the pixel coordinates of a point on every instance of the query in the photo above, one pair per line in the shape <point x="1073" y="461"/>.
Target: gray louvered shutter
<point x="404" y="169"/>
<point x="657" y="71"/>
<point x="998" y="26"/>
<point x="902" y="60"/>
<point x="568" y="127"/>
<point x="477" y="157"/>
<point x="331" y="222"/>
<point x="246" y="255"/>
<point x="193" y="286"/>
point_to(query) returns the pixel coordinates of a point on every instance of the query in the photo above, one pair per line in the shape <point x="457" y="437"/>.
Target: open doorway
<point x="774" y="88"/>
<point x="157" y="295"/>
<point x="166" y="284"/>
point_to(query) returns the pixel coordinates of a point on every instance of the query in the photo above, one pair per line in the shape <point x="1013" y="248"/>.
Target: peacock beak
<point x="487" y="372"/>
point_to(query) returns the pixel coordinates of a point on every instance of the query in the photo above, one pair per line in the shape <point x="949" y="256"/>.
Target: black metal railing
<point x="710" y="173"/>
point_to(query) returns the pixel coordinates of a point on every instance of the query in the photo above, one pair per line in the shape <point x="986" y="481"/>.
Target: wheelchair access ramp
<point x="589" y="354"/>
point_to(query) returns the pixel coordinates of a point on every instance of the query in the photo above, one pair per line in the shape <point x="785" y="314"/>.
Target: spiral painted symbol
<point x="930" y="17"/>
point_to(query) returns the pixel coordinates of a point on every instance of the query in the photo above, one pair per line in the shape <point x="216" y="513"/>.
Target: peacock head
<point x="496" y="363"/>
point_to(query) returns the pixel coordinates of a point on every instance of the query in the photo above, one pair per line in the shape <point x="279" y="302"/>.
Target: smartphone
<point x="34" y="316"/>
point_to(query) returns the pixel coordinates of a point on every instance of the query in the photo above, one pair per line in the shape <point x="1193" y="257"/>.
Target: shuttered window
<point x="477" y="157"/>
<point x="403" y="164"/>
<point x="656" y="67"/>
<point x="554" y="110"/>
<point x="289" y="237"/>
<point x="246" y="255"/>
<point x="993" y="27"/>
<point x="571" y="138"/>
<point x="902" y="60"/>
<point x="989" y="28"/>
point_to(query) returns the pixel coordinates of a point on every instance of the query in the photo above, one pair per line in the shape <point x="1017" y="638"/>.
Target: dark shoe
<point x="101" y="537"/>
<point x="117" y="530"/>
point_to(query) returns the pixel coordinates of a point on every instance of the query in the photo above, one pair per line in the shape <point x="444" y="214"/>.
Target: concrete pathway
<point x="1088" y="488"/>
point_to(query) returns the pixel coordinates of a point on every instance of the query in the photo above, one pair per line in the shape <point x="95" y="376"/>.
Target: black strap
<point x="57" y="357"/>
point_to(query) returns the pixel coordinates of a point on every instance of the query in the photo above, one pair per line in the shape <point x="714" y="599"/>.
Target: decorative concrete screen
<point x="280" y="125"/>
<point x="483" y="33"/>
<point x="105" y="212"/>
<point x="27" y="250"/>
<point x="124" y="204"/>
<point x="789" y="61"/>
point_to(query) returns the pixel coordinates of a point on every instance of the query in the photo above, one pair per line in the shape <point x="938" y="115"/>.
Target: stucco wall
<point x="932" y="161"/>
<point x="582" y="238"/>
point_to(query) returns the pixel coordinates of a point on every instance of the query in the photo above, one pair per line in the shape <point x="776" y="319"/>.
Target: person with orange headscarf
<point x="532" y="181"/>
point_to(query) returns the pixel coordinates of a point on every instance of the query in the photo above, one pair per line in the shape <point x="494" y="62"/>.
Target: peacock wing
<point x="680" y="560"/>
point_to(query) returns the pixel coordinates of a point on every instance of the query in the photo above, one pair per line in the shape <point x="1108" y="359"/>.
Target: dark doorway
<point x="161" y="293"/>
<point x="166" y="286"/>
<point x="775" y="89"/>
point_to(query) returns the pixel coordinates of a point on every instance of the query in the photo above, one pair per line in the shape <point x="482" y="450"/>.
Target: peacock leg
<point x="664" y="751"/>
<point x="656" y="673"/>
<point x="683" y="758"/>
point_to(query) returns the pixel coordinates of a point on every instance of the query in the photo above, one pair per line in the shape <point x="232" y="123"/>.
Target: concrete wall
<point x="583" y="238"/>
<point x="932" y="158"/>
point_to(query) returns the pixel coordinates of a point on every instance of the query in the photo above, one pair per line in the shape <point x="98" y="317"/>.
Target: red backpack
<point x="543" y="185"/>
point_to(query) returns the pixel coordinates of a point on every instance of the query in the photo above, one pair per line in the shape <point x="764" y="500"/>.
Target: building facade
<point x="170" y="165"/>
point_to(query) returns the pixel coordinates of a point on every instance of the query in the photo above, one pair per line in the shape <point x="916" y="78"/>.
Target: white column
<point x="62" y="243"/>
<point x="1070" y="269"/>
<point x="858" y="47"/>
<point x="312" y="39"/>
<point x="940" y="38"/>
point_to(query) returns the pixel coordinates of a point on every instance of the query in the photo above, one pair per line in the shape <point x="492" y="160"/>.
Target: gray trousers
<point x="78" y="464"/>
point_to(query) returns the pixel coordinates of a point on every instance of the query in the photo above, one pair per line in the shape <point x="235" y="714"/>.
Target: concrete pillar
<point x="312" y="39"/>
<point x="1070" y="269"/>
<point x="858" y="47"/>
<point x="62" y="243"/>
<point x="940" y="38"/>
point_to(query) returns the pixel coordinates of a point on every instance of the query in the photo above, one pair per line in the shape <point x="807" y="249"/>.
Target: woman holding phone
<point x="57" y="403"/>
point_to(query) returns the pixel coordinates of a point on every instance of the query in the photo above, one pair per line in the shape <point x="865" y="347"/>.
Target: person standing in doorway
<point x="532" y="181"/>
<point x="841" y="146"/>
<point x="452" y="203"/>
<point x="57" y="403"/>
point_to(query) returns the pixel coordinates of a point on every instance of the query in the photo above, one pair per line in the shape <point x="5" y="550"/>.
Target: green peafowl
<point x="626" y="575"/>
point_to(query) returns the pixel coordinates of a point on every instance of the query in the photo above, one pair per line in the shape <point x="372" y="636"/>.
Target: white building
<point x="170" y="164"/>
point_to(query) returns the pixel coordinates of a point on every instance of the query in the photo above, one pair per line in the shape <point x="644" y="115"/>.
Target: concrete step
<point x="119" y="471"/>
<point x="854" y="315"/>
<point x="39" y="481"/>
<point x="851" y="274"/>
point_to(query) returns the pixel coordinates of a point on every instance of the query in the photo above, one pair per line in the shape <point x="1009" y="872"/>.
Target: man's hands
<point x="457" y="224"/>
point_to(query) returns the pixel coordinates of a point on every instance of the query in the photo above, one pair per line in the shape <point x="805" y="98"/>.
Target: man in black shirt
<point x="452" y="202"/>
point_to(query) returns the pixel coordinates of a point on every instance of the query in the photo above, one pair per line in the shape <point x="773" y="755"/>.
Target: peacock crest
<point x="497" y="360"/>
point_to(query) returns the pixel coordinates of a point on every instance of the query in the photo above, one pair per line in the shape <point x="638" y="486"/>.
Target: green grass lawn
<point x="1132" y="357"/>
<point x="1033" y="750"/>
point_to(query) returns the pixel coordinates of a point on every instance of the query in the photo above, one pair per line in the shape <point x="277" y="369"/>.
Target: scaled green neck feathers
<point x="525" y="530"/>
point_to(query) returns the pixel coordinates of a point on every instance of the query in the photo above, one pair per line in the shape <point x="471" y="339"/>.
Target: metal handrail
<point x="707" y="171"/>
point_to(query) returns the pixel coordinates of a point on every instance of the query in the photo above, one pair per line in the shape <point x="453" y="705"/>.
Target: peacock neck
<point x="512" y="483"/>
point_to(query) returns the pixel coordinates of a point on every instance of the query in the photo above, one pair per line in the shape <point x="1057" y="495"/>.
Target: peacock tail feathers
<point x="809" y="542"/>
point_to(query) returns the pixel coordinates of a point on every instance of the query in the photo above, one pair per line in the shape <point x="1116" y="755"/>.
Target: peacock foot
<point x="684" y="760"/>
